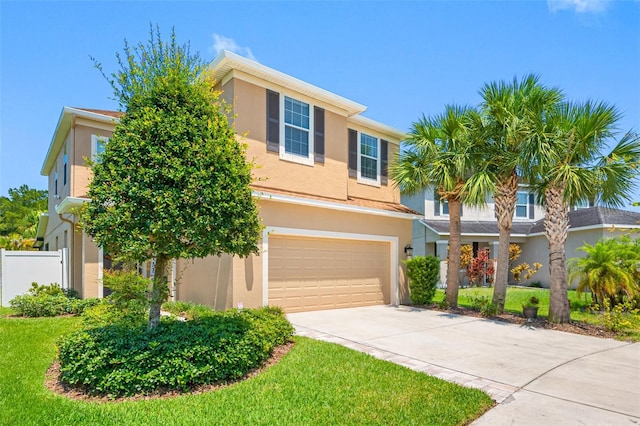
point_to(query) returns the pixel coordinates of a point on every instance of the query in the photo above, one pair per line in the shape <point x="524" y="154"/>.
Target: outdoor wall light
<point x="408" y="250"/>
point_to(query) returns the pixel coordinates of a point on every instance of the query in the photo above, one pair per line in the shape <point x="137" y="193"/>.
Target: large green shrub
<point x="119" y="360"/>
<point x="423" y="275"/>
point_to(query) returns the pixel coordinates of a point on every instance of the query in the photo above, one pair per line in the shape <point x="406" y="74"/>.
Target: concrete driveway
<point x="537" y="377"/>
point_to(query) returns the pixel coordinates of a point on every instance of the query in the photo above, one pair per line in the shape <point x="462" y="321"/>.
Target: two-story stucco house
<point x="334" y="228"/>
<point x="587" y="224"/>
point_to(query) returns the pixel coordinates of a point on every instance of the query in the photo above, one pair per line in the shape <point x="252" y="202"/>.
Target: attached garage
<point x="311" y="273"/>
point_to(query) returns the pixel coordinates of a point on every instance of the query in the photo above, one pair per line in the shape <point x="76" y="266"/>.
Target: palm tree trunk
<point x="505" y="205"/>
<point x="159" y="291"/>
<point x="453" y="265"/>
<point x="556" y="225"/>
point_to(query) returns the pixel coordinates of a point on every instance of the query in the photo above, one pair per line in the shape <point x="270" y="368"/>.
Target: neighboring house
<point x="335" y="230"/>
<point x="480" y="229"/>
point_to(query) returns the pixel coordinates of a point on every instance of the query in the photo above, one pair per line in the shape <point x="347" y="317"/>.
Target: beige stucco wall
<point x="326" y="180"/>
<point x="203" y="280"/>
<point x="82" y="150"/>
<point x="91" y="268"/>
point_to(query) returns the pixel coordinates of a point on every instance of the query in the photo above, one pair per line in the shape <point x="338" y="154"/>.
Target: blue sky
<point x="401" y="59"/>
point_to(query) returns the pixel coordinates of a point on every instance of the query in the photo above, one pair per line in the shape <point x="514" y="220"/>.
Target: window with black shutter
<point x="273" y="121"/>
<point x="318" y="134"/>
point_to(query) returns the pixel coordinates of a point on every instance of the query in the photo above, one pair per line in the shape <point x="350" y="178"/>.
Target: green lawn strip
<point x="316" y="383"/>
<point x="517" y="296"/>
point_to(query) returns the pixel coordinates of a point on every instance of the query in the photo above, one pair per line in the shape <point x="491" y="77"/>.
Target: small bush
<point x="126" y="286"/>
<point x="78" y="306"/>
<point x="42" y="305"/>
<point x="120" y="360"/>
<point x="187" y="309"/>
<point x="423" y="275"/>
<point x="484" y="305"/>
<point x="43" y="301"/>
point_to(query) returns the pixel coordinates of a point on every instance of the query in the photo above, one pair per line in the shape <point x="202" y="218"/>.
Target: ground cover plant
<point x="316" y="383"/>
<point x="124" y="360"/>
<point x="588" y="318"/>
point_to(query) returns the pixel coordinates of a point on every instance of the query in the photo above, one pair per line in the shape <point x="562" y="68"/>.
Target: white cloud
<point x="579" y="6"/>
<point x="221" y="43"/>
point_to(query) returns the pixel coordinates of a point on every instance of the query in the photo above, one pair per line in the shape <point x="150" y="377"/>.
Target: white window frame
<point x="94" y="145"/>
<point x="284" y="155"/>
<point x="363" y="179"/>
<point x="526" y="205"/>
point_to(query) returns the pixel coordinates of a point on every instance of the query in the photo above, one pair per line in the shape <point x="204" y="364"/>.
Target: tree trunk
<point x="453" y="265"/>
<point x="556" y="225"/>
<point x="159" y="291"/>
<point x="505" y="205"/>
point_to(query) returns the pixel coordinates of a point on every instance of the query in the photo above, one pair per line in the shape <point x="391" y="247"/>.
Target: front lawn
<point x="316" y="383"/>
<point x="516" y="296"/>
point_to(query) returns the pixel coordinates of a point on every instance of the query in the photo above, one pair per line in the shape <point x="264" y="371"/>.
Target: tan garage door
<point x="308" y="274"/>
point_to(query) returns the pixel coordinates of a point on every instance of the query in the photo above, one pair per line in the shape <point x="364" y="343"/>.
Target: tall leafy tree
<point x="570" y="164"/>
<point x="513" y="110"/>
<point x="19" y="214"/>
<point x="173" y="181"/>
<point x="441" y="152"/>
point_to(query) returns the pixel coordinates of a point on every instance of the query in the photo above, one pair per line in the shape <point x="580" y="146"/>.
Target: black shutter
<point x="273" y="121"/>
<point x="461" y="207"/>
<point x="532" y="201"/>
<point x="436" y="203"/>
<point x="353" y="153"/>
<point x="318" y="135"/>
<point x="384" y="161"/>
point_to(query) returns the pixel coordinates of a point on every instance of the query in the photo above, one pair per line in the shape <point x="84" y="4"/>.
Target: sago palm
<point x="608" y="270"/>
<point x="441" y="152"/>
<point x="513" y="110"/>
<point x="570" y="166"/>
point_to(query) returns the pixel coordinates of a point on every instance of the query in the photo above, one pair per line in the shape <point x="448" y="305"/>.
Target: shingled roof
<point x="582" y="218"/>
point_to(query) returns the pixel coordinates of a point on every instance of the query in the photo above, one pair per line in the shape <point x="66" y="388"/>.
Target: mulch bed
<point x="52" y="382"/>
<point x="575" y="327"/>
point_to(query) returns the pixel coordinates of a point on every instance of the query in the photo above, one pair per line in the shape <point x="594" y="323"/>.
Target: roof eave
<point x="62" y="128"/>
<point x="227" y="61"/>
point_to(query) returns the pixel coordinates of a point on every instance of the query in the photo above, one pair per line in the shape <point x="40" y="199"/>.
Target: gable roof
<point x="64" y="124"/>
<point x="598" y="217"/>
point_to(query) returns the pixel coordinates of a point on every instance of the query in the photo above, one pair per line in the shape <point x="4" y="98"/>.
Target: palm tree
<point x="441" y="152"/>
<point x="608" y="270"/>
<point x="513" y="110"/>
<point x="568" y="167"/>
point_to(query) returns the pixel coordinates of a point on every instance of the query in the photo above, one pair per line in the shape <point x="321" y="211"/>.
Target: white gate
<point x="18" y="269"/>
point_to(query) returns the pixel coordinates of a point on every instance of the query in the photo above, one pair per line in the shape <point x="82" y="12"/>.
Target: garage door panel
<point x="319" y="273"/>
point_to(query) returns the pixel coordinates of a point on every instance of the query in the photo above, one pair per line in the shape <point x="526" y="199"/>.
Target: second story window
<point x="368" y="158"/>
<point x="525" y="205"/>
<point x="55" y="183"/>
<point x="441" y="205"/>
<point x="98" y="144"/>
<point x="295" y="129"/>
<point x="64" y="166"/>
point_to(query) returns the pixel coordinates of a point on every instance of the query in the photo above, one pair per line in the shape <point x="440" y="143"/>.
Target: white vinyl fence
<point x="18" y="269"/>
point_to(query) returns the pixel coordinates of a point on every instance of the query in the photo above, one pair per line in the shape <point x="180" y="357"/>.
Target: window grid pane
<point x="368" y="156"/>
<point x="296" y="141"/>
<point x="522" y="203"/>
<point x="296" y="129"/>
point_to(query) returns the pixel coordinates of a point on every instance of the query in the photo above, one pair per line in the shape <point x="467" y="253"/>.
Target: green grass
<point x="516" y="296"/>
<point x="316" y="383"/>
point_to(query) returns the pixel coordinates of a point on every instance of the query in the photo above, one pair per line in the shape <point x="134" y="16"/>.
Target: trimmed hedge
<point x="423" y="275"/>
<point x="119" y="360"/>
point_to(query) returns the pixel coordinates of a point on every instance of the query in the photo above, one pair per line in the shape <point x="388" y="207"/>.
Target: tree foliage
<point x="19" y="214"/>
<point x="173" y="181"/>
